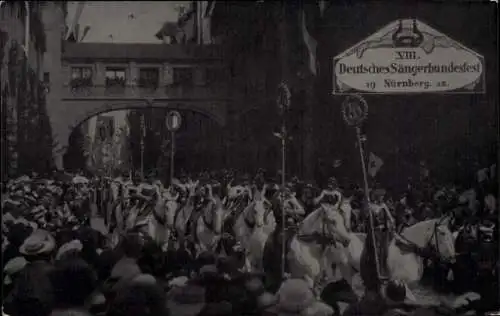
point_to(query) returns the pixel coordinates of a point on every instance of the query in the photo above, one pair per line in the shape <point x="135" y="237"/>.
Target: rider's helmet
<point x="332" y="183"/>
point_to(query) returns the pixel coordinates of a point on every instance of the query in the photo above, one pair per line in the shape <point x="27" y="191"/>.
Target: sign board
<point x="354" y="110"/>
<point x="408" y="56"/>
<point x="173" y="121"/>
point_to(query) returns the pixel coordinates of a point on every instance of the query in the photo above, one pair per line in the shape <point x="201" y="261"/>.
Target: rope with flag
<point x="374" y="164"/>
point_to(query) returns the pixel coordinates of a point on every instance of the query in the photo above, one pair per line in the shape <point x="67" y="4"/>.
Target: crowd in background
<point x="54" y="263"/>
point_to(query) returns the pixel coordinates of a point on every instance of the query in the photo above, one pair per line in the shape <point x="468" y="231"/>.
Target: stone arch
<point x="77" y="114"/>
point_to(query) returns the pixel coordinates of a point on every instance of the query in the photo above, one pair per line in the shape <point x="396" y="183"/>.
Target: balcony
<point x="135" y="91"/>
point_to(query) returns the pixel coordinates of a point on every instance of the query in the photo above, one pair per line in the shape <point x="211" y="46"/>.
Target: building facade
<point x="100" y="77"/>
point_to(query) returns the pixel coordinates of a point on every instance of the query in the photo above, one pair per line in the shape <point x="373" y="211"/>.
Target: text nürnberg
<point x="399" y="68"/>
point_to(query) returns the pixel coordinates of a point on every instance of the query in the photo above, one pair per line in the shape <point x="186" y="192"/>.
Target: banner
<point x="374" y="164"/>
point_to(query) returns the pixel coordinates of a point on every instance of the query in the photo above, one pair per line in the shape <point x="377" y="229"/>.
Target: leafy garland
<point x="27" y="132"/>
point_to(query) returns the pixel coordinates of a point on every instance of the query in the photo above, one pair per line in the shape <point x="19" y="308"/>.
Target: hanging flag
<point x="209" y="10"/>
<point x="374" y="164"/>
<point x="493" y="171"/>
<point x="322" y="6"/>
<point x="337" y="163"/>
<point x="308" y="20"/>
<point x="71" y="34"/>
<point x="482" y="175"/>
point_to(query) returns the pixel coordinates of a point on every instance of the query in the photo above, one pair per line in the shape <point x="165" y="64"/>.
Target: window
<point x="115" y="77"/>
<point x="149" y="78"/>
<point x="81" y="77"/>
<point x="214" y="75"/>
<point x="183" y="76"/>
<point x="46" y="77"/>
<point x="81" y="72"/>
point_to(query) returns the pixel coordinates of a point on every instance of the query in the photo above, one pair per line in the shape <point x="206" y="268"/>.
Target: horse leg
<point x="248" y="264"/>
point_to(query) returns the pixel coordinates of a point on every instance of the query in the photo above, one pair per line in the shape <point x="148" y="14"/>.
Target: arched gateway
<point x="96" y="78"/>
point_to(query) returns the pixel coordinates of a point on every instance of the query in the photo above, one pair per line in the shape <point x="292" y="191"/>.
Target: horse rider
<point x="307" y="197"/>
<point x="293" y="209"/>
<point x="383" y="229"/>
<point x="332" y="191"/>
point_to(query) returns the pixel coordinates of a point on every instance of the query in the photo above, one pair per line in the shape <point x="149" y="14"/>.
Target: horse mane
<point x="307" y="225"/>
<point x="414" y="232"/>
<point x="239" y="221"/>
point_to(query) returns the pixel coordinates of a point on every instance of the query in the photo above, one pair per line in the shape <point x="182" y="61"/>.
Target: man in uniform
<point x="383" y="231"/>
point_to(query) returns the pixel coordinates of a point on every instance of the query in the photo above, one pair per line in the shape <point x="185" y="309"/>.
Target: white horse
<point x="161" y="219"/>
<point x="309" y="256"/>
<point x="252" y="228"/>
<point x="185" y="211"/>
<point x="404" y="258"/>
<point x="209" y="225"/>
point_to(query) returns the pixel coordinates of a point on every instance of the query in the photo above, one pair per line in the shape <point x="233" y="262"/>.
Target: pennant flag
<point x="322" y="6"/>
<point x="374" y="164"/>
<point x="482" y="175"/>
<point x="308" y="20"/>
<point x="337" y="163"/>
<point x="209" y="10"/>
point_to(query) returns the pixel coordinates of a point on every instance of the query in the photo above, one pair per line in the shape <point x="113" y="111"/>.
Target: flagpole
<point x="355" y="111"/>
<point x="142" y="145"/>
<point x="283" y="104"/>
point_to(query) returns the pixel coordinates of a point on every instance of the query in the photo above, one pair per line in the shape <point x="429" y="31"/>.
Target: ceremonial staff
<point x="173" y="122"/>
<point x="143" y="135"/>
<point x="355" y="112"/>
<point x="283" y="102"/>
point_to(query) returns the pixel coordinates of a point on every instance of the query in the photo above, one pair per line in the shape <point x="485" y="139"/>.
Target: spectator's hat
<point x="72" y="246"/>
<point x="266" y="300"/>
<point x="12" y="267"/>
<point x="40" y="242"/>
<point x="188" y="300"/>
<point x="217" y="309"/>
<point x="294" y="297"/>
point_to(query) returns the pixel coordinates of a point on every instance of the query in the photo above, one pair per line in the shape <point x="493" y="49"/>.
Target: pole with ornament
<point x="283" y="102"/>
<point x="173" y="121"/>
<point x="355" y="112"/>
<point x="143" y="135"/>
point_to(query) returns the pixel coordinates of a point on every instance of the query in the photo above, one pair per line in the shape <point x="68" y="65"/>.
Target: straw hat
<point x="266" y="300"/>
<point x="294" y="297"/>
<point x="178" y="282"/>
<point x="74" y="245"/>
<point x="40" y="241"/>
<point x="188" y="300"/>
<point x="123" y="272"/>
<point x="144" y="279"/>
<point x="12" y="267"/>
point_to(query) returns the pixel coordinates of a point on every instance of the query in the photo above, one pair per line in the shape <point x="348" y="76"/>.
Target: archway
<point x="116" y="148"/>
<point x="79" y="111"/>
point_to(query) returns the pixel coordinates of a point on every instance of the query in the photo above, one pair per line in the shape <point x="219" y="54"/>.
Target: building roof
<point x="142" y="52"/>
